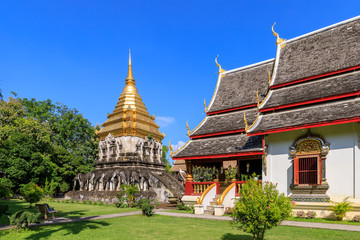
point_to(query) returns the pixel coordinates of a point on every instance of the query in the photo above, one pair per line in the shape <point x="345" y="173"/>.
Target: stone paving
<point x="163" y="212"/>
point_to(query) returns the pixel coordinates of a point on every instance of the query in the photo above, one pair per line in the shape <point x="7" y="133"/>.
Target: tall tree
<point x="40" y="140"/>
<point x="25" y="146"/>
<point x="164" y="159"/>
<point x="74" y="139"/>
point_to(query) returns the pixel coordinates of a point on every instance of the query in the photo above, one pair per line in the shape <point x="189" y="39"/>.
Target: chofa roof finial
<point x="188" y="129"/>
<point x="278" y="39"/>
<point x="171" y="149"/>
<point x="219" y="66"/>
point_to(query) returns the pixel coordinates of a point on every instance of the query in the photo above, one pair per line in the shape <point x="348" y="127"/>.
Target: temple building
<point x="130" y="152"/>
<point x="293" y="120"/>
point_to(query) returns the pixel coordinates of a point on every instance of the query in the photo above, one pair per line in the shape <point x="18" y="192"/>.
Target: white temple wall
<point x="342" y="161"/>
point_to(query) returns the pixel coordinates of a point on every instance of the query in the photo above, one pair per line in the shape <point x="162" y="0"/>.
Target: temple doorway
<point x="248" y="167"/>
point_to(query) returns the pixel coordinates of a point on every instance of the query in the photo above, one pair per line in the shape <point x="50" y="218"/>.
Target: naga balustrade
<point x="197" y="188"/>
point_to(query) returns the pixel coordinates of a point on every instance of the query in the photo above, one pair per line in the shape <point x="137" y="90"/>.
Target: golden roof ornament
<point x="245" y="121"/>
<point x="205" y="105"/>
<point x="219" y="66"/>
<point x="257" y="99"/>
<point x="278" y="39"/>
<point x="188" y="129"/>
<point x="171" y="149"/>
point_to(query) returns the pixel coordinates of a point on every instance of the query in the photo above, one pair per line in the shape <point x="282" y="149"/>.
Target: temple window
<point x="309" y="155"/>
<point x="307" y="169"/>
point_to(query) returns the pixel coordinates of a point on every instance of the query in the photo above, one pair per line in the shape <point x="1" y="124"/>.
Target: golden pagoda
<point x="130" y="116"/>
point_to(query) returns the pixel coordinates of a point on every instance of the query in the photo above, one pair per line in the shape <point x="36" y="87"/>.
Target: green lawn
<point x="164" y="227"/>
<point x="322" y="220"/>
<point x="178" y="211"/>
<point x="69" y="210"/>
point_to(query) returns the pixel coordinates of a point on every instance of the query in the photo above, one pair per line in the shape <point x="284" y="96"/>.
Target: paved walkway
<point x="163" y="212"/>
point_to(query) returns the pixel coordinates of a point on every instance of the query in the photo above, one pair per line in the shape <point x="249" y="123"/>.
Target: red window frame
<point x="297" y="171"/>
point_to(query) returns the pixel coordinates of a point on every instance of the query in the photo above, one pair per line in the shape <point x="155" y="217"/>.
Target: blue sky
<point x="76" y="52"/>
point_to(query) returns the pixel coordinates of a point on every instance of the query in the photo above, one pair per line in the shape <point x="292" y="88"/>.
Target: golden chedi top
<point x="130" y="116"/>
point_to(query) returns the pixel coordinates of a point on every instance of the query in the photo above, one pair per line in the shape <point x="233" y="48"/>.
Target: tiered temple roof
<point x="316" y="81"/>
<point x="130" y="116"/>
<point x="222" y="133"/>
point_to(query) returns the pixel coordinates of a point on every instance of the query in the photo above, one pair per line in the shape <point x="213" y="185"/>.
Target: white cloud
<point x="178" y="145"/>
<point x="164" y="121"/>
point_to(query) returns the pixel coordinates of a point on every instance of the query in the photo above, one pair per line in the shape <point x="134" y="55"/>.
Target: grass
<point x="179" y="211"/>
<point x="69" y="210"/>
<point x="164" y="227"/>
<point x="322" y="220"/>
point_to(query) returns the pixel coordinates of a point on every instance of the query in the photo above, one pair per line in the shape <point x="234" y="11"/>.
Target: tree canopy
<point x="41" y="140"/>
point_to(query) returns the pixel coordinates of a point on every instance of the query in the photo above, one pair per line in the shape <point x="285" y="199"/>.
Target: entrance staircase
<point x="210" y="208"/>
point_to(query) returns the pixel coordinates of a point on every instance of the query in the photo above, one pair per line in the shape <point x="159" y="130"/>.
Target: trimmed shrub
<point x="31" y="192"/>
<point x="147" y="209"/>
<point x="182" y="206"/>
<point x="260" y="208"/>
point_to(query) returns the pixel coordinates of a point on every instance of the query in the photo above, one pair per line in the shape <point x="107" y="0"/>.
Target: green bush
<point x="122" y="201"/>
<point x="129" y="191"/>
<point x="50" y="187"/>
<point x="341" y="208"/>
<point x="5" y="188"/>
<point x="31" y="192"/>
<point x="64" y="187"/>
<point x="141" y="202"/>
<point x="21" y="219"/>
<point x="260" y="208"/>
<point x="147" y="209"/>
<point x="3" y="209"/>
<point x="182" y="206"/>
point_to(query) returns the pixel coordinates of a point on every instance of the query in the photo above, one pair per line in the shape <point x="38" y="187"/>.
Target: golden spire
<point x="130" y="74"/>
<point x="205" y="105"/>
<point x="278" y="39"/>
<point x="257" y="99"/>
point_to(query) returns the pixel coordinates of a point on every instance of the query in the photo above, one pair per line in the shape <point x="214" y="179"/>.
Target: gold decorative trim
<point x="220" y="200"/>
<point x="201" y="199"/>
<point x="246" y="123"/>
<point x="257" y="99"/>
<point x="181" y="147"/>
<point x="254" y="121"/>
<point x="278" y="39"/>
<point x="191" y="132"/>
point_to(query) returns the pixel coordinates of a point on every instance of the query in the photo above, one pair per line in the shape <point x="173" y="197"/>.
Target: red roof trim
<point x="317" y="100"/>
<point x="315" y="77"/>
<point x="222" y="155"/>
<point x="313" y="125"/>
<point x="217" y="133"/>
<point x="232" y="109"/>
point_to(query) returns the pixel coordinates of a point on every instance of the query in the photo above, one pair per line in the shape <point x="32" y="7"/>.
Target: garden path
<point x="57" y="220"/>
